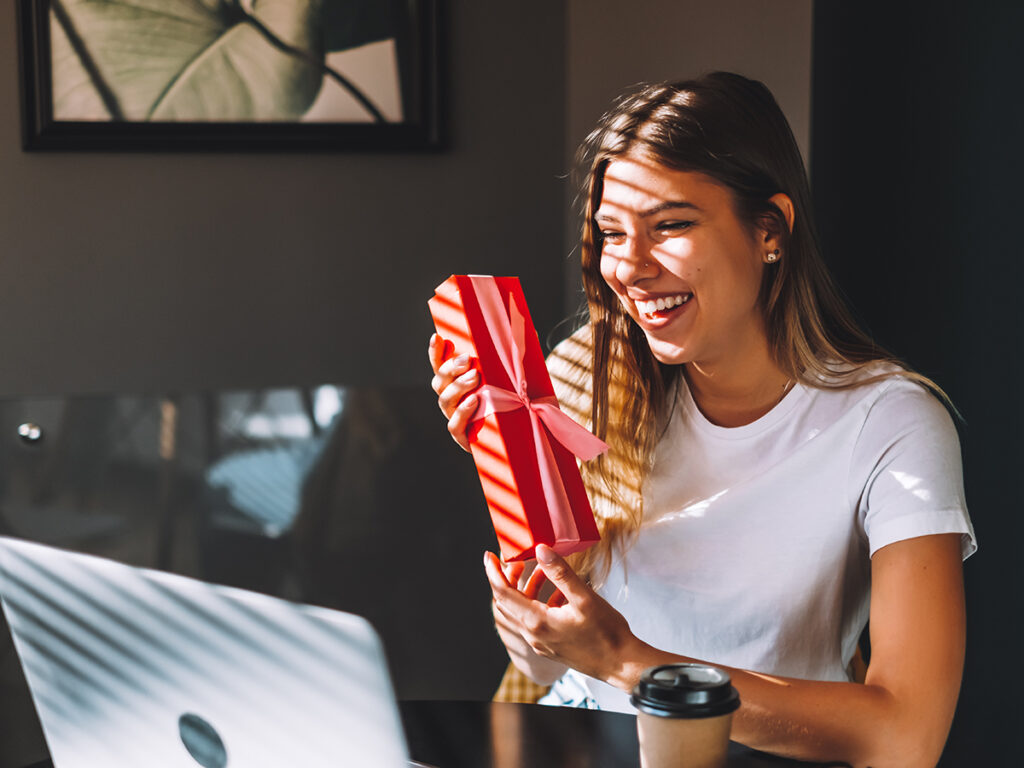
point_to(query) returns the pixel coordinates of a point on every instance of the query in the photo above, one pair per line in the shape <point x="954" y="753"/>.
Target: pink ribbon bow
<point x="507" y="333"/>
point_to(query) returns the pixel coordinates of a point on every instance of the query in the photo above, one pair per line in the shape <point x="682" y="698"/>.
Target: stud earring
<point x="773" y="256"/>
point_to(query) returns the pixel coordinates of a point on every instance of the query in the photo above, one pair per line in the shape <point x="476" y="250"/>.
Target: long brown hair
<point x="731" y="129"/>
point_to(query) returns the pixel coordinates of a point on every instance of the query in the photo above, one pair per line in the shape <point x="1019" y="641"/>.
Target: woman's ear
<point x="784" y="204"/>
<point x="773" y="240"/>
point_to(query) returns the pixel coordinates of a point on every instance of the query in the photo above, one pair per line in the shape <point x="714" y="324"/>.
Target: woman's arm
<point x="899" y="717"/>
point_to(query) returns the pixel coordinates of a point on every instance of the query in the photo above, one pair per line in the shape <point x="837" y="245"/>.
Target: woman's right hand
<point x="531" y="583"/>
<point x="454" y="382"/>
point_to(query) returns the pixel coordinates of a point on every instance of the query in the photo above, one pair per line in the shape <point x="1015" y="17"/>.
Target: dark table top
<point x="479" y="734"/>
<point x="468" y="734"/>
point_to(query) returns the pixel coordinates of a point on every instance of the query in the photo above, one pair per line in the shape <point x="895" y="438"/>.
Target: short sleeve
<point x="907" y="472"/>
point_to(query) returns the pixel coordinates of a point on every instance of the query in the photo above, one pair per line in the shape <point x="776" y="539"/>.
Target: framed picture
<point x="230" y="74"/>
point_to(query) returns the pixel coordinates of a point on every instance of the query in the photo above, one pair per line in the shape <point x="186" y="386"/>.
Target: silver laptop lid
<point x="131" y="667"/>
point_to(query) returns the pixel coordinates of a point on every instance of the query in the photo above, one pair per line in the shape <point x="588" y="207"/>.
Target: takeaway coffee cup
<point x="684" y="713"/>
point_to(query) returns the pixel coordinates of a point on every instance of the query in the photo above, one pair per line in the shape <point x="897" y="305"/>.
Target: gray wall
<point x="614" y="45"/>
<point x="152" y="272"/>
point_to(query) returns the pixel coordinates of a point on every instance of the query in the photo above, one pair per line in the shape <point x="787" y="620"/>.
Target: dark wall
<point x="150" y="272"/>
<point x="916" y="154"/>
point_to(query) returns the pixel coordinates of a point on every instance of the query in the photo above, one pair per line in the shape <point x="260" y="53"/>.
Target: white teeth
<point x="663" y="303"/>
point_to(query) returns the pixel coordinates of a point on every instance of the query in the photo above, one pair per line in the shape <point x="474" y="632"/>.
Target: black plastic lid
<point x="685" y="690"/>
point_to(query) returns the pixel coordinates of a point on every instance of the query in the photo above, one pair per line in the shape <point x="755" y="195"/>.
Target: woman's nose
<point x="635" y="261"/>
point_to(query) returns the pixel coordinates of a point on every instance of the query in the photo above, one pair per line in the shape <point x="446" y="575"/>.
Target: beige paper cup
<point x="684" y="715"/>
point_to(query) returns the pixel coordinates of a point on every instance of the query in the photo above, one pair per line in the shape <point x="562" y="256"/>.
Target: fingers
<point x="437" y="351"/>
<point x="528" y="658"/>
<point x="562" y="576"/>
<point x="514" y="572"/>
<point x="495" y="575"/>
<point x="507" y="598"/>
<point x="493" y="568"/>
<point x="534" y="584"/>
<point x="454" y="380"/>
<point x="503" y="622"/>
<point x="506" y="577"/>
<point x="524" y="623"/>
<point x="461" y="418"/>
<point x="448" y="369"/>
<point x="557" y="600"/>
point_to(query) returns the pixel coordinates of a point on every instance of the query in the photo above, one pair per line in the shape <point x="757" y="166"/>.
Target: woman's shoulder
<point x="883" y="396"/>
<point x="570" y="359"/>
<point x="569" y="368"/>
<point x="893" y="402"/>
<point x="878" y="380"/>
<point x="576" y="347"/>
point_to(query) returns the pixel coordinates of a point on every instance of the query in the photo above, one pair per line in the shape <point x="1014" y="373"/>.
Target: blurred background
<point x="215" y="363"/>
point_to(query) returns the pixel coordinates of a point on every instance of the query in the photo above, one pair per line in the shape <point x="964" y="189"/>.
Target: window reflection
<point x="354" y="498"/>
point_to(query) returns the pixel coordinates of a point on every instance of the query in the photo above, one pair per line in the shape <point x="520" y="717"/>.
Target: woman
<point x="770" y="467"/>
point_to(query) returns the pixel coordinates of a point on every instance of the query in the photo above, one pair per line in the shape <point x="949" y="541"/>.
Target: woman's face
<point x="686" y="269"/>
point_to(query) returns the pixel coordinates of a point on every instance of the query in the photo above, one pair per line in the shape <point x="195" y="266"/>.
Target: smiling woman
<point x="754" y="503"/>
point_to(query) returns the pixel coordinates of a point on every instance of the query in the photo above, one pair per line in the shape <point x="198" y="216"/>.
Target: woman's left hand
<point x="576" y="626"/>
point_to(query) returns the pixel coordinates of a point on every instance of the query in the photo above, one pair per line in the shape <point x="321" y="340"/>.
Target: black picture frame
<point x="417" y="44"/>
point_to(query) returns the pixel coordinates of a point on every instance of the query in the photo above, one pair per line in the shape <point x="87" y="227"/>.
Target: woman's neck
<point x="732" y="395"/>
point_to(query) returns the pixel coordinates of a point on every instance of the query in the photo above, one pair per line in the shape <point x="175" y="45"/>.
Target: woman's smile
<point x="662" y="306"/>
<point x="657" y="312"/>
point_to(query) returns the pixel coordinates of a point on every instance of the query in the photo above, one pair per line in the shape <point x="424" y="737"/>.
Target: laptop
<point x="131" y="667"/>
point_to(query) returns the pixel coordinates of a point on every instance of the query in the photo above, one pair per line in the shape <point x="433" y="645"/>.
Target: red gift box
<point x="524" y="446"/>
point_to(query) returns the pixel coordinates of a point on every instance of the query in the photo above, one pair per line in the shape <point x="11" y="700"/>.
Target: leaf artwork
<point x="204" y="60"/>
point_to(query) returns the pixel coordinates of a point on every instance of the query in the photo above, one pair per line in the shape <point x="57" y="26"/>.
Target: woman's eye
<point x="611" y="236"/>
<point x="674" y="226"/>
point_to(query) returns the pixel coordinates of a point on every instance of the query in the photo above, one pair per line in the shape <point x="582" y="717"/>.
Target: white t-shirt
<point x="755" y="547"/>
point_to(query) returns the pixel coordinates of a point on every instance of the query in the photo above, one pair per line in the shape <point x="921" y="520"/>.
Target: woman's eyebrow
<point x="667" y="205"/>
<point x="659" y="208"/>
